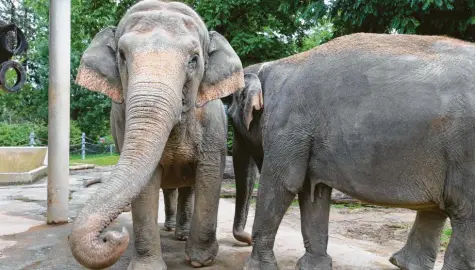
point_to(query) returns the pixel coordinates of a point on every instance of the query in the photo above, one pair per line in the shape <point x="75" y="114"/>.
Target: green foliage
<point x="318" y="35"/>
<point x="260" y="30"/>
<point x="453" y="18"/>
<point x="89" y="109"/>
<point x="74" y="133"/>
<point x="18" y="134"/>
<point x="445" y="237"/>
<point x="229" y="138"/>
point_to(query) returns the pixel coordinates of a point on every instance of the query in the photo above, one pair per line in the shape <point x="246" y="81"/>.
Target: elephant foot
<point x="318" y="263"/>
<point x="412" y="260"/>
<point x="181" y="235"/>
<point x="255" y="264"/>
<point x="200" y="255"/>
<point x="169" y="225"/>
<point x="147" y="263"/>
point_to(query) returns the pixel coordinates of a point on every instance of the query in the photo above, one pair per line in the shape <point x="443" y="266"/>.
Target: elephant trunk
<point x="152" y="109"/>
<point x="246" y="173"/>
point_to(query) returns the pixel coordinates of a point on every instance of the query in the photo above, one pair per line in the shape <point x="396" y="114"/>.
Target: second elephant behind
<point x="387" y="119"/>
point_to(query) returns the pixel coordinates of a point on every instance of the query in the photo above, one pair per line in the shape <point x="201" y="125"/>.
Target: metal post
<point x="32" y="138"/>
<point x="110" y="149"/>
<point x="83" y="146"/>
<point x="58" y="111"/>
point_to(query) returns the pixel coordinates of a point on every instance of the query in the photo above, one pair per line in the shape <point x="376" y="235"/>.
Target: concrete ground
<point x="360" y="238"/>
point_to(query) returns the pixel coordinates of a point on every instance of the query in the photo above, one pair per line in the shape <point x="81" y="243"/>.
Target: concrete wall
<point x="22" y="164"/>
<point x="21" y="159"/>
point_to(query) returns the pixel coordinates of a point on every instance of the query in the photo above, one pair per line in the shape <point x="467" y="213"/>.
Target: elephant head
<point x="163" y="63"/>
<point x="246" y="101"/>
<point x="245" y="113"/>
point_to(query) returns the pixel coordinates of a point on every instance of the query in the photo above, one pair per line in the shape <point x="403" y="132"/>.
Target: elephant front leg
<point x="147" y="251"/>
<point x="184" y="213"/>
<point x="202" y="246"/>
<point x="277" y="189"/>
<point x="170" y="202"/>
<point x="315" y="226"/>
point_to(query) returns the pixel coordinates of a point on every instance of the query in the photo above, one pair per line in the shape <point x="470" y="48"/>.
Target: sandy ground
<point x="360" y="238"/>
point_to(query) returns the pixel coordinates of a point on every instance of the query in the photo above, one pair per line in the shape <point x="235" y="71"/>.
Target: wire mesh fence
<point x="86" y="147"/>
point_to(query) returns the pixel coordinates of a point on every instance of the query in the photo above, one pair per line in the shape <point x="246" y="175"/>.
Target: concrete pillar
<point x="58" y="109"/>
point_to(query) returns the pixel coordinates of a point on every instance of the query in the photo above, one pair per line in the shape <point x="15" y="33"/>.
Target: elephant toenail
<point x="196" y="264"/>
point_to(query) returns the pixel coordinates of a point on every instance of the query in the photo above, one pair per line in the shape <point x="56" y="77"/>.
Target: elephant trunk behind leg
<point x="246" y="173"/>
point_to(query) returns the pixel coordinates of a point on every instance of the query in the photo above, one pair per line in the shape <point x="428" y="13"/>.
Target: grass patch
<point x="99" y="160"/>
<point x="347" y="205"/>
<point x="445" y="237"/>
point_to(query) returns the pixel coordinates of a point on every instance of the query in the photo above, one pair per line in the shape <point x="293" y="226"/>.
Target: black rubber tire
<point x="21" y="76"/>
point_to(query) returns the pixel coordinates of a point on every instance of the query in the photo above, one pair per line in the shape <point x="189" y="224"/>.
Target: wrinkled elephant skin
<point x="166" y="74"/>
<point x="387" y="119"/>
<point x="175" y="199"/>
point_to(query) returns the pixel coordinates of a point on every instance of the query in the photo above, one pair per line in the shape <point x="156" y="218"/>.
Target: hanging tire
<point x="20" y="38"/>
<point x="20" y="72"/>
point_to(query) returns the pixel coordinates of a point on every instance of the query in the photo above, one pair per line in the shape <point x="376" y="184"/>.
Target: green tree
<point x="89" y="109"/>
<point x="453" y="18"/>
<point x="321" y="33"/>
<point x="260" y="30"/>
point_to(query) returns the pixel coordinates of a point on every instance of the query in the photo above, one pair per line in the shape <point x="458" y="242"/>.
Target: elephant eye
<point x="122" y="55"/>
<point x="192" y="63"/>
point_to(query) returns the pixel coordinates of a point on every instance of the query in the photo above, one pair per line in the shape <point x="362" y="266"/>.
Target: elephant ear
<point x="223" y="72"/>
<point x="98" y="70"/>
<point x="252" y="98"/>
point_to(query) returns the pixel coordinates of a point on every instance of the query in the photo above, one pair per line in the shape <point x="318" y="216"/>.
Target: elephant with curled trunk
<point x="178" y="202"/>
<point x="170" y="72"/>
<point x="387" y="119"/>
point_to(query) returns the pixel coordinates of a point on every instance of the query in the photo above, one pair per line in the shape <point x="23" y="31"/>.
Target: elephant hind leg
<point x="170" y="203"/>
<point x="421" y="248"/>
<point x="459" y="203"/>
<point x="460" y="252"/>
<point x="184" y="213"/>
<point x="314" y="204"/>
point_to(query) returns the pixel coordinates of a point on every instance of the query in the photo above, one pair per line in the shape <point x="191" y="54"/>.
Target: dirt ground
<point x="360" y="237"/>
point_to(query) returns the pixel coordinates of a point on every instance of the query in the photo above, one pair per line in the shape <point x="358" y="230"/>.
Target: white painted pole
<point x="83" y="146"/>
<point x="58" y="110"/>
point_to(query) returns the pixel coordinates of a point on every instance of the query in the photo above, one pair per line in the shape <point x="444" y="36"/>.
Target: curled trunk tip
<point x="98" y="252"/>
<point x="242" y="236"/>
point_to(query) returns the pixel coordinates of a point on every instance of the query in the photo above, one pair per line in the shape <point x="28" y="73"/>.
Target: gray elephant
<point x="170" y="72"/>
<point x="387" y="119"/>
<point x="180" y="199"/>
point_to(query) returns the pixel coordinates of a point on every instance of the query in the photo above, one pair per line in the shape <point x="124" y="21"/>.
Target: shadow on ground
<point x="45" y="247"/>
